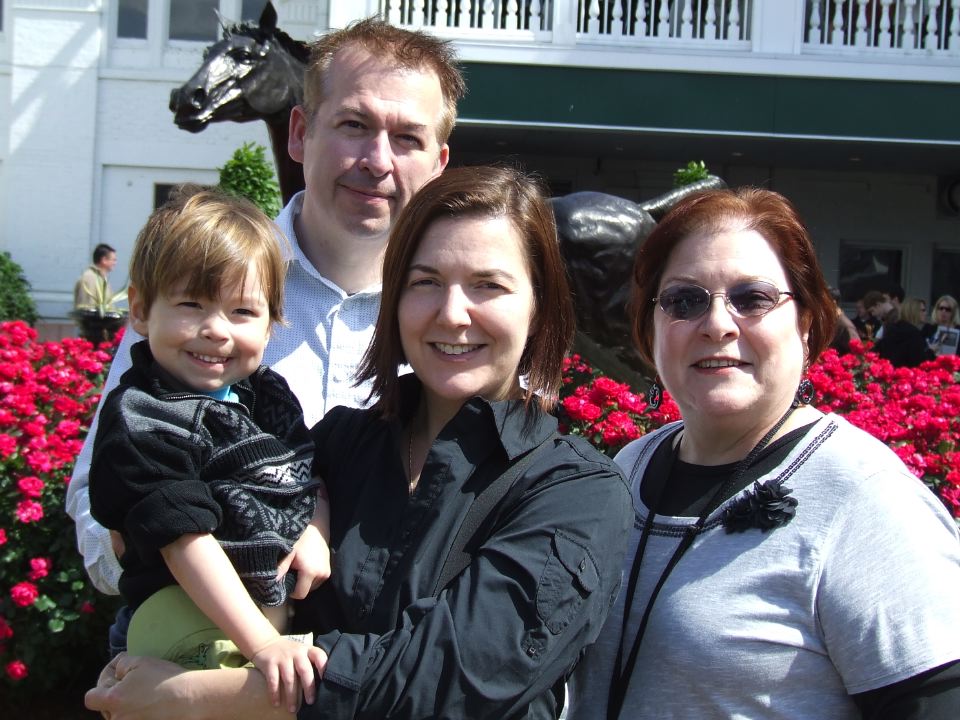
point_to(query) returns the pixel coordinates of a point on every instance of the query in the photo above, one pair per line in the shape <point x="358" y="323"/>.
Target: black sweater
<point x="167" y="462"/>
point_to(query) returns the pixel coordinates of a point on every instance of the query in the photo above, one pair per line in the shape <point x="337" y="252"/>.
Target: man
<point x="92" y="290"/>
<point x="900" y="342"/>
<point x="379" y="106"/>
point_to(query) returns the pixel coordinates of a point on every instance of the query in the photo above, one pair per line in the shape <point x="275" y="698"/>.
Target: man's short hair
<point x="411" y="50"/>
<point x="203" y="239"/>
<point x="874" y="298"/>
<point x="100" y="252"/>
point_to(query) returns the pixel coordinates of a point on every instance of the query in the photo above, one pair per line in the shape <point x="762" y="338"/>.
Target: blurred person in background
<point x="944" y="319"/>
<point x="900" y="342"/>
<point x="914" y="311"/>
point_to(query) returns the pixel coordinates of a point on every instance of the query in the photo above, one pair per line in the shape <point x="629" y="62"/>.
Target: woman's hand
<point x="117" y="544"/>
<point x="310" y="557"/>
<point x="137" y="687"/>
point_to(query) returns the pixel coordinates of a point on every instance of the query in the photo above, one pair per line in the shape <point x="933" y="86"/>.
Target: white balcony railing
<point x="494" y="18"/>
<point x="908" y="26"/>
<point x="709" y="21"/>
<point x="906" y="40"/>
<point x="930" y="27"/>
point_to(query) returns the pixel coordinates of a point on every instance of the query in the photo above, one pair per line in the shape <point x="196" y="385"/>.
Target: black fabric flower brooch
<point x="765" y="506"/>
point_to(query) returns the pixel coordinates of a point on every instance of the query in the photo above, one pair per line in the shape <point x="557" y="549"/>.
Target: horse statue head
<point x="599" y="235"/>
<point x="253" y="73"/>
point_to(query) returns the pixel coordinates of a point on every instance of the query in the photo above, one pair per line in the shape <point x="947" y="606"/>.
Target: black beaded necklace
<point x="622" y="672"/>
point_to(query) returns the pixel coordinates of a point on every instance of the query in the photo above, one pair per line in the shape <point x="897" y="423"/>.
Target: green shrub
<point x="694" y="171"/>
<point x="249" y="174"/>
<point x="15" y="300"/>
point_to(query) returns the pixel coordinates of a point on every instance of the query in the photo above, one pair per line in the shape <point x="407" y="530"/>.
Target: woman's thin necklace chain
<point x="410" y="478"/>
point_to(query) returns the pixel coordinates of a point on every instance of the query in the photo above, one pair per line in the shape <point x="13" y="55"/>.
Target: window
<point x="132" y="19"/>
<point x="864" y="268"/>
<point x="194" y="20"/>
<point x="945" y="279"/>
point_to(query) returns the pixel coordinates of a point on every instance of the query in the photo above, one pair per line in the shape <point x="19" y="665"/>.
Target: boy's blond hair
<point x="206" y="238"/>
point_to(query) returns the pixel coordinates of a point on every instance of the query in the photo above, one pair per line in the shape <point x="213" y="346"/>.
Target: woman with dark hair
<point x="786" y="564"/>
<point x="474" y="297"/>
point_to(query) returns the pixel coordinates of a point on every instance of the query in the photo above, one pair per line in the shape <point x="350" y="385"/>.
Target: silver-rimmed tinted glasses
<point x="749" y="299"/>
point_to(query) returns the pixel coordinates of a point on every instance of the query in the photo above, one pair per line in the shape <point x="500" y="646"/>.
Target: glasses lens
<point x="753" y="298"/>
<point x="684" y="302"/>
<point x="944" y="308"/>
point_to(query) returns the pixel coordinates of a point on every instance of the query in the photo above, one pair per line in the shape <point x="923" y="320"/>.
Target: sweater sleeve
<point x="145" y="476"/>
<point x="880" y="632"/>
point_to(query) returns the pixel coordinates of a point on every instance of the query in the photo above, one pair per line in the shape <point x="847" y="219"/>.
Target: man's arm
<point x="93" y="540"/>
<point x="140" y="688"/>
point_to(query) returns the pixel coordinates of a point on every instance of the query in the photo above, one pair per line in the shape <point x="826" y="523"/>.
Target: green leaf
<point x="694" y="171"/>
<point x="44" y="603"/>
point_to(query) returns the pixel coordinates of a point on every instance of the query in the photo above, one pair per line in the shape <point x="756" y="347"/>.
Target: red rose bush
<point x="916" y="411"/>
<point x="51" y="619"/>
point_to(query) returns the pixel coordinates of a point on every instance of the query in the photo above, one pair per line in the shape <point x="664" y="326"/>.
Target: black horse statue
<point x="599" y="236"/>
<point x="256" y="73"/>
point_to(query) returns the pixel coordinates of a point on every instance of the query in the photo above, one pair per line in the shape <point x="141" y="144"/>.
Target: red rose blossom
<point x="29" y="511"/>
<point x="17" y="670"/>
<point x="24" y="594"/>
<point x="31" y="486"/>
<point x="39" y="568"/>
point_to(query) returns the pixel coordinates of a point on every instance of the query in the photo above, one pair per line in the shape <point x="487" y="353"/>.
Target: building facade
<point x="848" y="108"/>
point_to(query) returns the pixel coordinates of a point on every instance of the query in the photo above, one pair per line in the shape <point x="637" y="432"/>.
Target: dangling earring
<point x="805" y="393"/>
<point x="654" y="394"/>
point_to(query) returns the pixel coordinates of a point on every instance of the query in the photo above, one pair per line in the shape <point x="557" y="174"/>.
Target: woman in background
<point x="914" y="311"/>
<point x="944" y="318"/>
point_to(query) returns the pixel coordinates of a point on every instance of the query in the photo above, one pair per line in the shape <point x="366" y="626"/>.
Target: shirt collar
<point x="286" y="221"/>
<point x="479" y="422"/>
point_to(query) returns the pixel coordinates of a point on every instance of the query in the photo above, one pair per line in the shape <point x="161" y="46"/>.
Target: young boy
<point x="202" y="461"/>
